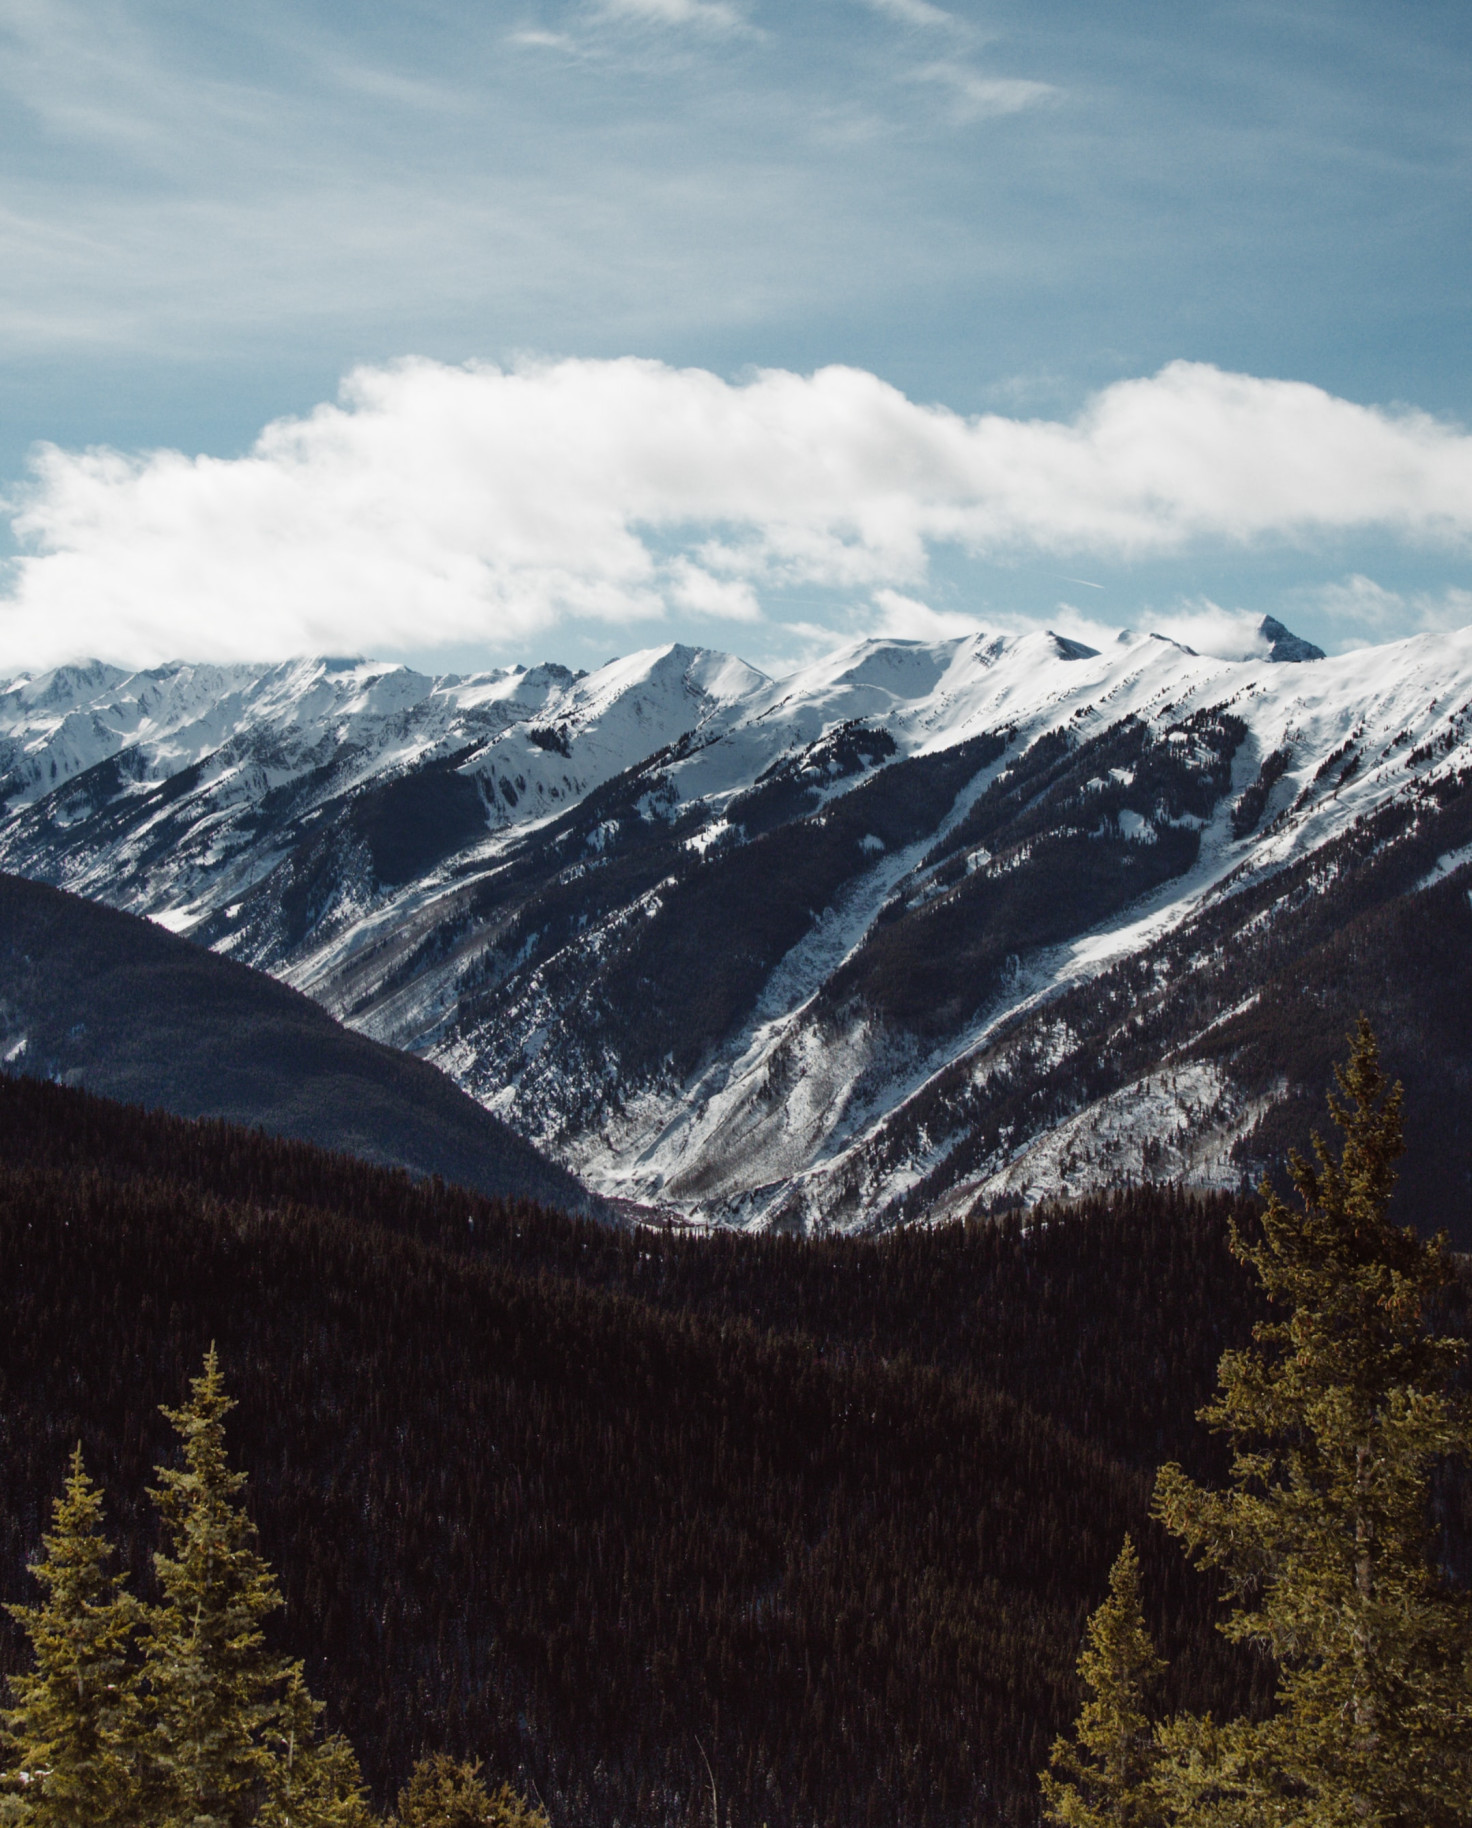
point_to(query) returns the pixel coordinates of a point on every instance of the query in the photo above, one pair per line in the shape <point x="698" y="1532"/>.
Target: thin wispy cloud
<point x="439" y="504"/>
<point x="1358" y="603"/>
<point x="976" y="97"/>
<point x="915" y="12"/>
<point x="535" y="36"/>
<point x="707" y="15"/>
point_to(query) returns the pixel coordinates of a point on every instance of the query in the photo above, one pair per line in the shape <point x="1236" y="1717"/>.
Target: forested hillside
<point x="598" y="1506"/>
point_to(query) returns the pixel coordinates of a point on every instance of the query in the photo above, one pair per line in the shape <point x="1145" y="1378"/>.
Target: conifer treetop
<point x="200" y="1425"/>
<point x="1102" y="1778"/>
<point x="73" y="1718"/>
<point x="214" y="1683"/>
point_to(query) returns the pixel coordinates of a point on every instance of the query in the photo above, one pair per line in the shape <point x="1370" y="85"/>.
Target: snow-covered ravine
<point x="487" y="868"/>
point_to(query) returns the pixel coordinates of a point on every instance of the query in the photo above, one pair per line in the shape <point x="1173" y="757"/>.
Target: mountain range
<point x="922" y="929"/>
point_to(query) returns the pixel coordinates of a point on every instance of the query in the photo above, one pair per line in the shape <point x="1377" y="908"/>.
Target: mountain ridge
<point x="781" y="952"/>
<point x="93" y="997"/>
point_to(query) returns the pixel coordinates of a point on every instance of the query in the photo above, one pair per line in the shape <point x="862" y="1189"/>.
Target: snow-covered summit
<point x="757" y="948"/>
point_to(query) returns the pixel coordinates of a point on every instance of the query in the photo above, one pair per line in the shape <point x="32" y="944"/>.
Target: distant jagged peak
<point x="63" y="686"/>
<point x="675" y="667"/>
<point x="1066" y="649"/>
<point x="1284" y="645"/>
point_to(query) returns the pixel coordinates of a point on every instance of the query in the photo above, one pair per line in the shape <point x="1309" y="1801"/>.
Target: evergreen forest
<point x="662" y="1529"/>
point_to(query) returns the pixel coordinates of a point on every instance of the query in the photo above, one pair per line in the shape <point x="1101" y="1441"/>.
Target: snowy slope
<point x="920" y="925"/>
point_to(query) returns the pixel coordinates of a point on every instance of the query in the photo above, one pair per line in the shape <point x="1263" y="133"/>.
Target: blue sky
<point x="209" y="216"/>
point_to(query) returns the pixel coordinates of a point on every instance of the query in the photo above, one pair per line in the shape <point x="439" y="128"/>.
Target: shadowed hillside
<point x="105" y="1000"/>
<point x="578" y="1501"/>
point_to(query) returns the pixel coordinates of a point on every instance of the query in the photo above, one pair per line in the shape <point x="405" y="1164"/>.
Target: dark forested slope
<point x="589" y="1503"/>
<point x="114" y="1003"/>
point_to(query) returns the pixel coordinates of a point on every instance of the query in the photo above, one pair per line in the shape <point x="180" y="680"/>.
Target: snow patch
<point x="1176" y="1125"/>
<point x="1445" y="865"/>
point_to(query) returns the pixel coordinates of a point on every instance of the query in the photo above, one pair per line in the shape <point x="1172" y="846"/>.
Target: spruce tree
<point x="314" y="1782"/>
<point x="1102" y="1778"/>
<point x="443" y="1792"/>
<point x="73" y="1722"/>
<point x="212" y="1681"/>
<point x="1337" y="1417"/>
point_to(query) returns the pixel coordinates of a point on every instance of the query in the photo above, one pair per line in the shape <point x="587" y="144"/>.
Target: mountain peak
<point x="1283" y="644"/>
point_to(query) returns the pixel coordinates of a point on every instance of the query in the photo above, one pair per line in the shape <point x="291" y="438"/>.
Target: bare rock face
<point x="1283" y="644"/>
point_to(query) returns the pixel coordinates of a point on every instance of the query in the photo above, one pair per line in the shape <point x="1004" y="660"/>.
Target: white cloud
<point x="1227" y="634"/>
<point x="693" y="588"/>
<point x="1364" y="604"/>
<point x="908" y="619"/>
<point x="1361" y="600"/>
<point x="536" y="38"/>
<point x="439" y="504"/>
<point x="976" y="97"/>
<point x="712" y="15"/>
<point x="915" y="12"/>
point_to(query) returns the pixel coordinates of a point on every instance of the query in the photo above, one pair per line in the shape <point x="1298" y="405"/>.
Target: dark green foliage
<point x="573" y="1501"/>
<point x="205" y="1728"/>
<point x="1265" y="981"/>
<point x="312" y="1781"/>
<point x="1249" y="809"/>
<point x="676" y="979"/>
<point x="72" y="1726"/>
<point x="1022" y="1308"/>
<point x="175" y="1715"/>
<point x="414" y="821"/>
<point x="682" y="976"/>
<point x="792" y="787"/>
<point x="212" y="1682"/>
<point x="1338" y="1416"/>
<point x="1064" y="811"/>
<point x="444" y="1792"/>
<point x="1103" y="1778"/>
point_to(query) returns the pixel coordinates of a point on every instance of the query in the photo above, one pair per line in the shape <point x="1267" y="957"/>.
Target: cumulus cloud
<point x="437" y="504"/>
<point x="909" y="619"/>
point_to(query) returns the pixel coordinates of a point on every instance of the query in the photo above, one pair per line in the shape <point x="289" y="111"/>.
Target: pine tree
<point x="443" y="1792"/>
<point x="1337" y="1417"/>
<point x="1102" y="1779"/>
<point x="212" y="1681"/>
<point x="73" y="1723"/>
<point x="315" y="1782"/>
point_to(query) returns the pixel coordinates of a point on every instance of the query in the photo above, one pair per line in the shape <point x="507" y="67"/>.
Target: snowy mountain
<point x="917" y="928"/>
